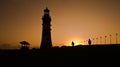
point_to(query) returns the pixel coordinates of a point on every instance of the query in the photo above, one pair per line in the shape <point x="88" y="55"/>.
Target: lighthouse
<point x="46" y="41"/>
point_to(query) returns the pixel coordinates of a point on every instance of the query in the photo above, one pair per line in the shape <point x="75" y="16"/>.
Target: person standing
<point x="72" y="43"/>
<point x="89" y="42"/>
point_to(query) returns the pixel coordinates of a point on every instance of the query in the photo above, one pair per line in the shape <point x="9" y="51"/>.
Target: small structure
<point x="24" y="45"/>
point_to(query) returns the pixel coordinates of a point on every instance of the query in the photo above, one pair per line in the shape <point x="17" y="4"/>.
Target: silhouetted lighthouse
<point x="46" y="30"/>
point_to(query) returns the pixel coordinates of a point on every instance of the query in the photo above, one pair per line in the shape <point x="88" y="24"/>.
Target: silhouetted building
<point x="46" y="30"/>
<point x="24" y="45"/>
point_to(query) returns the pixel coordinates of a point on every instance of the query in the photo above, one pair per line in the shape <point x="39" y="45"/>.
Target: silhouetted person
<point x="72" y="43"/>
<point x="89" y="42"/>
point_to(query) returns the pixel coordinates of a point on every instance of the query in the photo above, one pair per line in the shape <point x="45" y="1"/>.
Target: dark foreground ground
<point x="97" y="55"/>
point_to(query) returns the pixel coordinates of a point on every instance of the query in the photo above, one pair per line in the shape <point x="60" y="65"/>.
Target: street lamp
<point x="116" y="38"/>
<point x="105" y="39"/>
<point x="101" y="39"/>
<point x="110" y="38"/>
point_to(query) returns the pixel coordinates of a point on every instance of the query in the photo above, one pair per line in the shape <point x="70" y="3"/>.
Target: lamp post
<point x="84" y="42"/>
<point x="93" y="40"/>
<point x="110" y="38"/>
<point x="96" y="40"/>
<point x="101" y="39"/>
<point x="116" y="38"/>
<point x="105" y="39"/>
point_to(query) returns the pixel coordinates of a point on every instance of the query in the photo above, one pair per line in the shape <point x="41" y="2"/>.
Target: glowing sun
<point x="76" y="42"/>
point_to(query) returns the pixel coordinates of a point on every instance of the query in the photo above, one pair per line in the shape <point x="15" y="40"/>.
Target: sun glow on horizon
<point x="76" y="42"/>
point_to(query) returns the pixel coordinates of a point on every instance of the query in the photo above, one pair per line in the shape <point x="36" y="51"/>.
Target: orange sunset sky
<point x="72" y="20"/>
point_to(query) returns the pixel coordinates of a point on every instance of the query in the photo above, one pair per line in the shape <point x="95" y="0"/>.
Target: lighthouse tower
<point x="46" y="30"/>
